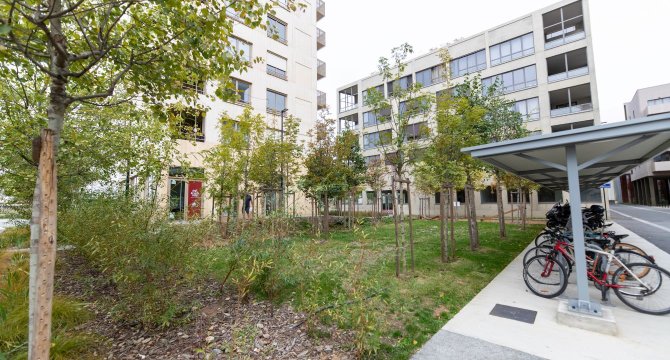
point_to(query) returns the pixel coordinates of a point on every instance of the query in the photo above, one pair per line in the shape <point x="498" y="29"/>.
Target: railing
<point x="571" y="109"/>
<point x="198" y="87"/>
<point x="320" y="69"/>
<point x="320" y="9"/>
<point x="564" y="40"/>
<point x="320" y="38"/>
<point x="320" y="99"/>
<point x="569" y="74"/>
<point x="277" y="72"/>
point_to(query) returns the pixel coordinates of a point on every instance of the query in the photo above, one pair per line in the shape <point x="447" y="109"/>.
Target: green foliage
<point x="325" y="174"/>
<point x="144" y="254"/>
<point x="67" y="315"/>
<point x="15" y="237"/>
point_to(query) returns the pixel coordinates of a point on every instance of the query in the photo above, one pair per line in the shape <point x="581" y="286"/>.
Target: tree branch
<point x="110" y="89"/>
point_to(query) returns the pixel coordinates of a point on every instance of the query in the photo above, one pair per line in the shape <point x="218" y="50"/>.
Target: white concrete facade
<point x="648" y="183"/>
<point x="562" y="57"/>
<point x="297" y="51"/>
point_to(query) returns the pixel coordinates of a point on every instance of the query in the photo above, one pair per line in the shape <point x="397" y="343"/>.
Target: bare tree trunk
<point x="394" y="200"/>
<point x="501" y="209"/>
<point x="411" y="229"/>
<point x="326" y="217"/>
<point x="472" y="217"/>
<point x="452" y="216"/>
<point x="403" y="248"/>
<point x="523" y="217"/>
<point x="443" y="226"/>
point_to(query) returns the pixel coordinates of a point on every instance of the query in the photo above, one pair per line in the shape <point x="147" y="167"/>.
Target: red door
<point x="194" y="199"/>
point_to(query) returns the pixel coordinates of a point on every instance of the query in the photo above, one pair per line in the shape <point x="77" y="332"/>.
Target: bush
<point x="15" y="237"/>
<point x="145" y="255"/>
<point x="66" y="315"/>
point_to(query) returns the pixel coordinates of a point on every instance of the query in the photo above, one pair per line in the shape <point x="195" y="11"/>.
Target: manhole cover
<point x="514" y="313"/>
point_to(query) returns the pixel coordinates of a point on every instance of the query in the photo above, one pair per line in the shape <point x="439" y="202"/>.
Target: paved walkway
<point x="474" y="334"/>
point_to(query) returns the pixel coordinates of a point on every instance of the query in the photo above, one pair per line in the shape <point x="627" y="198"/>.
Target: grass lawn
<point x="353" y="265"/>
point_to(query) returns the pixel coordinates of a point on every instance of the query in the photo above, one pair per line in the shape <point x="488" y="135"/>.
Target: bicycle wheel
<point x="630" y="257"/>
<point x="545" y="276"/>
<point x="649" y="295"/>
<point x="630" y="247"/>
<point x="544" y="235"/>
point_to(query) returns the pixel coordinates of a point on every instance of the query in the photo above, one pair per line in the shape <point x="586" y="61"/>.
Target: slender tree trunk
<point x="326" y="217"/>
<point x="411" y="228"/>
<point x="401" y="220"/>
<point x="443" y="226"/>
<point x="472" y="218"/>
<point x="452" y="217"/>
<point x="394" y="201"/>
<point x="523" y="207"/>
<point x="501" y="209"/>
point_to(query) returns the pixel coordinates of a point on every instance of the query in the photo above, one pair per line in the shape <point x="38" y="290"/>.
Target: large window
<point x="242" y="47"/>
<point x="568" y="65"/>
<point x="348" y="98"/>
<point x="546" y="195"/>
<point x="372" y="140"/>
<point x="276" y="102"/>
<point x="242" y="91"/>
<point x="659" y="101"/>
<point x="430" y="76"/>
<point x="416" y="131"/>
<point x="488" y="195"/>
<point x="514" y="198"/>
<point x="563" y="25"/>
<point x="190" y="124"/>
<point x="468" y="64"/>
<point x="276" y="65"/>
<point x="371" y="159"/>
<point x="372" y="118"/>
<point x="529" y="109"/>
<point x="379" y="89"/>
<point x="512" y="49"/>
<point x="401" y="84"/>
<point x="277" y="29"/>
<point x="515" y="80"/>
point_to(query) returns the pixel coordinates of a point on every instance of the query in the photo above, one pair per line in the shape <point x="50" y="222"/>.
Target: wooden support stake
<point x="42" y="298"/>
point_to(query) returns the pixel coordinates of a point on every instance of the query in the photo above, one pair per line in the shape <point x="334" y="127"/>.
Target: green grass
<point x="15" y="237"/>
<point x="408" y="310"/>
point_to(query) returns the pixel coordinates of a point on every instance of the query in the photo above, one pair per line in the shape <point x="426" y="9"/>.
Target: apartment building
<point x="648" y="183"/>
<point x="545" y="63"/>
<point x="284" y="84"/>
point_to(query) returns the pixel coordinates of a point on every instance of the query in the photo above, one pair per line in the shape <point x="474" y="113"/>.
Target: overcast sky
<point x="631" y="40"/>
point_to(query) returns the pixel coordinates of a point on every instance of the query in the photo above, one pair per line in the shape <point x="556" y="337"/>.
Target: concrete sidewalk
<point x="474" y="334"/>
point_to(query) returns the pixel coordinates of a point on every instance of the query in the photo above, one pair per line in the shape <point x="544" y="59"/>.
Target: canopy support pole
<point x="582" y="304"/>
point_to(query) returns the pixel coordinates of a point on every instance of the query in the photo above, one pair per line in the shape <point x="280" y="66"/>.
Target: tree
<point x="404" y="103"/>
<point x="229" y="162"/>
<point x="374" y="178"/>
<point x="85" y="50"/>
<point x="348" y="153"/>
<point x="324" y="176"/>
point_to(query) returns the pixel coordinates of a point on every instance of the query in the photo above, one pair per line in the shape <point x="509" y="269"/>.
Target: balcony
<point x="348" y="98"/>
<point x="276" y="72"/>
<point x="320" y="39"/>
<point x="563" y="25"/>
<point x="568" y="65"/>
<point x="570" y="100"/>
<point x="320" y="69"/>
<point x="320" y="100"/>
<point x="347" y="123"/>
<point x="320" y="10"/>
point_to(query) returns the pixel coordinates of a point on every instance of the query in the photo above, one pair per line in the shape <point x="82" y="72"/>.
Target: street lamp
<point x="282" y="159"/>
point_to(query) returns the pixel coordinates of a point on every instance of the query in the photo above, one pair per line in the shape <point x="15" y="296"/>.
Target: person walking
<point x="248" y="208"/>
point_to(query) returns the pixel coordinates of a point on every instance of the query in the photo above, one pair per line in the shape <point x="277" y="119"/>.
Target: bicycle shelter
<point x="580" y="159"/>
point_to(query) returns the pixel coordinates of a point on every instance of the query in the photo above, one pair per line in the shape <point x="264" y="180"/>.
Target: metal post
<point x="582" y="303"/>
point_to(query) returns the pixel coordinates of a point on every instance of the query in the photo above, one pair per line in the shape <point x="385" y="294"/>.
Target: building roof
<point x="603" y="152"/>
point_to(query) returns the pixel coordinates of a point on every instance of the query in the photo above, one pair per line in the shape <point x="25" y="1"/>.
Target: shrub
<point x="15" y="237"/>
<point x="145" y="255"/>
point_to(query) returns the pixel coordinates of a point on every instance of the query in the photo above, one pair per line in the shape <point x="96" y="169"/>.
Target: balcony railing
<point x="277" y="72"/>
<point x="569" y="74"/>
<point x="571" y="109"/>
<point x="320" y="100"/>
<point x="320" y="10"/>
<point x="320" y="39"/>
<point x="320" y="69"/>
<point x="564" y="39"/>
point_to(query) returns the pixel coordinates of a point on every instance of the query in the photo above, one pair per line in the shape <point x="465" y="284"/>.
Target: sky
<point x="631" y="41"/>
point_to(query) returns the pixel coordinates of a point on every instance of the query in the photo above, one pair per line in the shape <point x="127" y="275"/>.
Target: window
<point x="401" y="84"/>
<point x="276" y="65"/>
<point x="378" y="88"/>
<point x="241" y="47"/>
<point x="512" y="49"/>
<point x="663" y="157"/>
<point x="460" y="197"/>
<point x="370" y="159"/>
<point x="570" y="100"/>
<point x="563" y="25"/>
<point x="348" y="98"/>
<point x="349" y="122"/>
<point x="568" y="65"/>
<point x="488" y="195"/>
<point x="546" y="195"/>
<point x="370" y="118"/>
<point x="241" y="92"/>
<point x="659" y="101"/>
<point x="468" y="64"/>
<point x="414" y="106"/>
<point x="197" y="85"/>
<point x="372" y="140"/>
<point x="370" y="197"/>
<point x="529" y="109"/>
<point x="591" y="196"/>
<point x="277" y="29"/>
<point x="515" y="80"/>
<point x="416" y="131"/>
<point x="189" y="124"/>
<point x="431" y="76"/>
<point x="513" y="196"/>
<point x="276" y="102"/>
